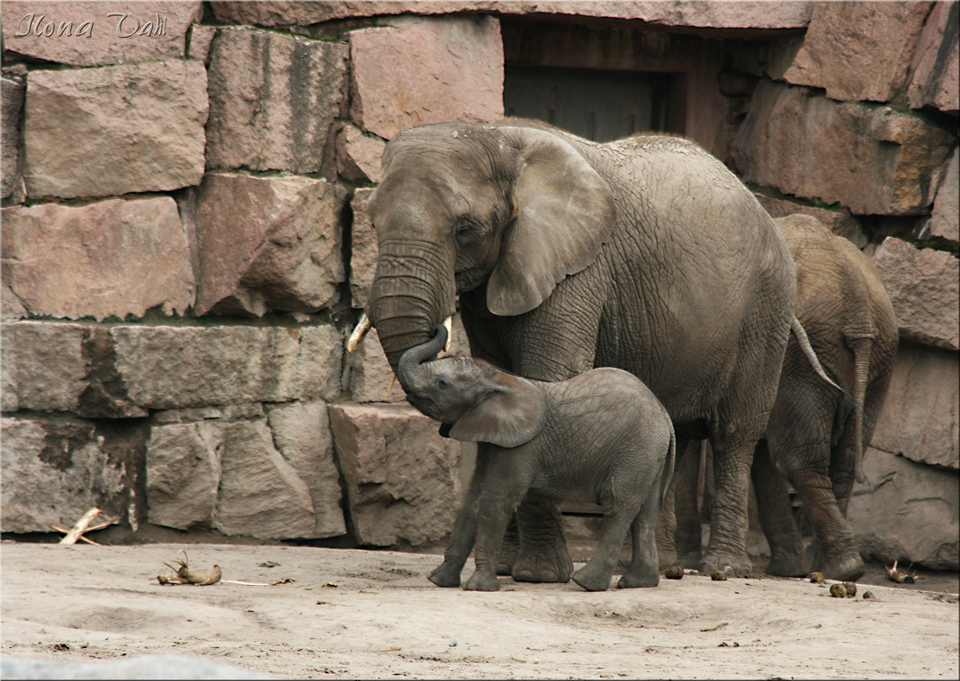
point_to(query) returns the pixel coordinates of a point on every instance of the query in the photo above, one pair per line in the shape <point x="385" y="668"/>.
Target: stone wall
<point x="186" y="247"/>
<point x="185" y="241"/>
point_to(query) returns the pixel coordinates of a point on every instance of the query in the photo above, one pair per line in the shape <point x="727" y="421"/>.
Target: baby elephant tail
<point x="670" y="463"/>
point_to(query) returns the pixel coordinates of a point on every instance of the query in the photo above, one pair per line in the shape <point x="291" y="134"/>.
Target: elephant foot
<point x="508" y="556"/>
<point x="482" y="582"/>
<point x="740" y="565"/>
<point x="848" y="569"/>
<point x="788" y="565"/>
<point x="593" y="578"/>
<point x="444" y="575"/>
<point x="639" y="580"/>
<point x="689" y="559"/>
<point x="550" y="565"/>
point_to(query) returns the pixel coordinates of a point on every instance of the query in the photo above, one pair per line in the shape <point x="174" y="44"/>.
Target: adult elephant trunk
<point x="409" y="371"/>
<point x="413" y="290"/>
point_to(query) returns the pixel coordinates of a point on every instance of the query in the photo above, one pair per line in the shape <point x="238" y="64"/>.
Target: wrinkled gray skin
<point x="815" y="439"/>
<point x="600" y="437"/>
<point x="644" y="254"/>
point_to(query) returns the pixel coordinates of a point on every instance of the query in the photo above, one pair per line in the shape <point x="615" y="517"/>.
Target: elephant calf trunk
<point x="409" y="370"/>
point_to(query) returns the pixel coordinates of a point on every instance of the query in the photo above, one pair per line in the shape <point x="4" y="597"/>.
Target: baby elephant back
<point x="615" y="403"/>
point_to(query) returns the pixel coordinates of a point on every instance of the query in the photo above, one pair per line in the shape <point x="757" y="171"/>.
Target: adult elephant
<point x="815" y="438"/>
<point x="645" y="254"/>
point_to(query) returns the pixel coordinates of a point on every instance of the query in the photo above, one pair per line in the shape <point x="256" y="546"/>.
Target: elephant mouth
<point x="467" y="280"/>
<point x="424" y="405"/>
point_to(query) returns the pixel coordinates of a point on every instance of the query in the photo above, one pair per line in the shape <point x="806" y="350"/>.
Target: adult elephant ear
<point x="511" y="413"/>
<point x="563" y="213"/>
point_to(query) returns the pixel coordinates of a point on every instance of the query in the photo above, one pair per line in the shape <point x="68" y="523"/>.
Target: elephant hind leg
<point x="837" y="555"/>
<point x="787" y="556"/>
<point x="644" y="568"/>
<point x="685" y="484"/>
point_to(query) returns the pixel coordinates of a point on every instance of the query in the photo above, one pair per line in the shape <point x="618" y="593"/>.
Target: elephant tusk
<point x="448" y="323"/>
<point x="358" y="333"/>
<point x="392" y="382"/>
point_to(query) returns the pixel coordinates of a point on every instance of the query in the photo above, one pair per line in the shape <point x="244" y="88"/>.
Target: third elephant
<point x="815" y="437"/>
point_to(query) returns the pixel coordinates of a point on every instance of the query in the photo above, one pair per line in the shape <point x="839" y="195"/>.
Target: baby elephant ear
<point x="512" y="413"/>
<point x="564" y="212"/>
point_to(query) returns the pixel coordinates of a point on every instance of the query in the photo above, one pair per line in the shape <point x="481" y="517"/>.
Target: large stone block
<point x="921" y="415"/>
<point x="422" y="71"/>
<point x="858" y="50"/>
<point x="402" y="478"/>
<point x="131" y="128"/>
<point x="840" y="222"/>
<point x="261" y="494"/>
<point x="273" y="100"/>
<point x="171" y="367"/>
<point x="217" y="467"/>
<point x="54" y="367"/>
<point x="906" y="511"/>
<point x="301" y="432"/>
<point x="11" y="108"/>
<point x="183" y="474"/>
<point x="363" y="250"/>
<point x="875" y="161"/>
<point x="923" y="287"/>
<point x="55" y="471"/>
<point x="935" y="63"/>
<point x="358" y="155"/>
<point x="112" y="258"/>
<point x="268" y="243"/>
<point x="99" y="33"/>
<point x="694" y="14"/>
<point x="945" y="221"/>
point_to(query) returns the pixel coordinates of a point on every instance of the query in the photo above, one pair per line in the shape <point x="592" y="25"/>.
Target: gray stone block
<point x="174" y="367"/>
<point x="132" y="128"/>
<point x="273" y="100"/>
<point x="921" y="414"/>
<point x="924" y="287"/>
<point x="55" y="471"/>
<point x="114" y="258"/>
<point x="268" y="243"/>
<point x="906" y="511"/>
<point x="402" y="478"/>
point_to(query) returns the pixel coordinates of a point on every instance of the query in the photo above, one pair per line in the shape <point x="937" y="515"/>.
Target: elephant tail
<point x="804" y="342"/>
<point x="862" y="346"/>
<point x="671" y="462"/>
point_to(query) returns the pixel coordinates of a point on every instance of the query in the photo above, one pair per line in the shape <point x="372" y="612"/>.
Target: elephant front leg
<point x="493" y="514"/>
<point x="542" y="556"/>
<point x="464" y="534"/>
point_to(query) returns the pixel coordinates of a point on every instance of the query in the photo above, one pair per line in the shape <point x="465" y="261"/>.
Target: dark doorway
<point x="598" y="105"/>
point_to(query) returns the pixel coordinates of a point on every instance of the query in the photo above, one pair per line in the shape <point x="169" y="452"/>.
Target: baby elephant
<point x="601" y="437"/>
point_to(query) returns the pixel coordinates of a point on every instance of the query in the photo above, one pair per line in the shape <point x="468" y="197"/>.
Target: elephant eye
<point x="442" y="383"/>
<point x="466" y="229"/>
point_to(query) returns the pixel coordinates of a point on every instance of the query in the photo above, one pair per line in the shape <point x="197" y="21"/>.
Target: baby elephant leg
<point x="463" y="536"/>
<point x="493" y="516"/>
<point x="597" y="573"/>
<point x="644" y="568"/>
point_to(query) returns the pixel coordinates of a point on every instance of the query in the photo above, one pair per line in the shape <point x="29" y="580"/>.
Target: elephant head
<point x="462" y="206"/>
<point x="474" y="401"/>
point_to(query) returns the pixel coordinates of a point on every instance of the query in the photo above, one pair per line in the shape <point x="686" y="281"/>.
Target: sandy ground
<point x="373" y="615"/>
